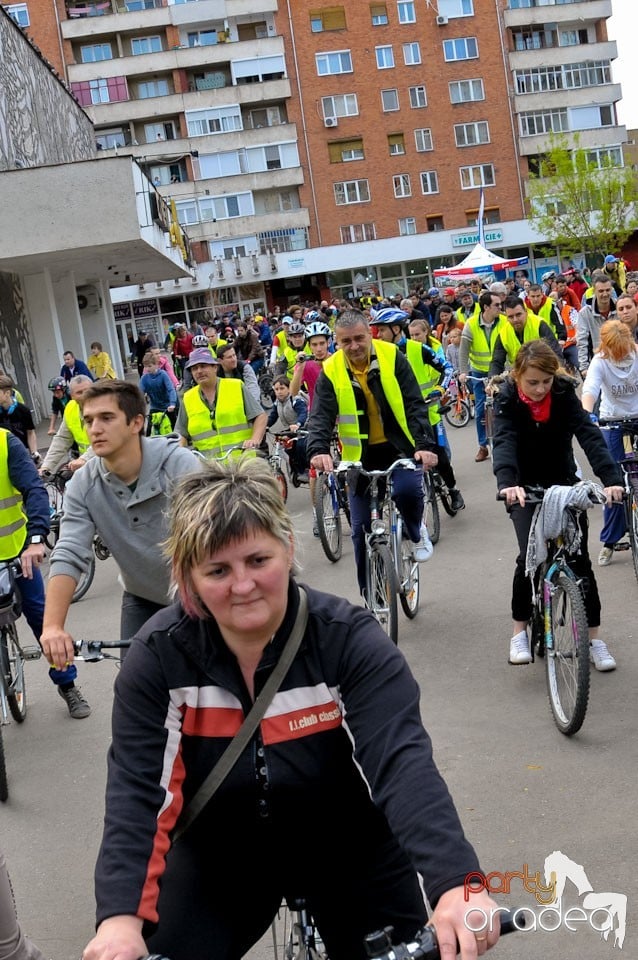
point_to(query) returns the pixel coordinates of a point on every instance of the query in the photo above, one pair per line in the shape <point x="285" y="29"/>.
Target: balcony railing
<point x="106" y="7"/>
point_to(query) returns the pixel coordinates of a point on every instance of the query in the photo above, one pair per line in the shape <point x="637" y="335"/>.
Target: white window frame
<point x="400" y="152"/>
<point x="406" y="11"/>
<point x="332" y="59"/>
<point x="146" y="40"/>
<point x="474" y="175"/>
<point x="407" y="226"/>
<point x="99" y="90"/>
<point x="337" y="105"/>
<point x="412" y="53"/>
<point x="384" y="106"/>
<point x="384" y="56"/>
<point x="423" y="136"/>
<point x="540" y="122"/>
<point x="455" y="9"/>
<point x="599" y="155"/>
<point x="429" y="182"/>
<point x="19" y="13"/>
<point x="455" y="46"/>
<point x="472" y="134"/>
<point x="459" y="85"/>
<point x="418" y="99"/>
<point x="357" y="232"/>
<point x="402" y="185"/>
<point x="157" y="82"/>
<point x="214" y="120"/>
<point x="358" y="190"/>
<point x="85" y="48"/>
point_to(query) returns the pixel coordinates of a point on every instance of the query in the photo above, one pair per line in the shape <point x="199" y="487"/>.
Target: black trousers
<point x="580" y="563"/>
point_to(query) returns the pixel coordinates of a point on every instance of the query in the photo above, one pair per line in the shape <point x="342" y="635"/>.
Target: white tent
<point x="480" y="260"/>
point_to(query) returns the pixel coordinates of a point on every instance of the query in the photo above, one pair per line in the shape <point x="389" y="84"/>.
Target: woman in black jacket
<point x="537" y="415"/>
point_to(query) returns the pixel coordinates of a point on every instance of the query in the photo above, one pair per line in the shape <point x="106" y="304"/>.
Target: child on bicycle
<point x="537" y="416"/>
<point x="292" y="413"/>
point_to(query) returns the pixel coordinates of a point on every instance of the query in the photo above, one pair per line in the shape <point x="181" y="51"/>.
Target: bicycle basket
<point x="10" y="604"/>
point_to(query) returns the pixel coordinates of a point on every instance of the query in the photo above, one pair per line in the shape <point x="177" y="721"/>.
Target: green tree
<point x="581" y="202"/>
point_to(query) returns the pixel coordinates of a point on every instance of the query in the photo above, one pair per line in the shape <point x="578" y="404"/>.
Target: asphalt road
<point x="522" y="789"/>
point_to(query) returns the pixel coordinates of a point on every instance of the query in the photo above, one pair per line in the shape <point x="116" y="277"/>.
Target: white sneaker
<point x="519" y="649"/>
<point x="424" y="549"/>
<point x="600" y="656"/>
<point x="605" y="556"/>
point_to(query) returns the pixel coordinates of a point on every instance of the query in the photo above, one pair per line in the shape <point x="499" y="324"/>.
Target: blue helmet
<point x="389" y="317"/>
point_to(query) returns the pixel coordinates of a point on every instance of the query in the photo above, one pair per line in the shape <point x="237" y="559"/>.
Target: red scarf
<point x="539" y="409"/>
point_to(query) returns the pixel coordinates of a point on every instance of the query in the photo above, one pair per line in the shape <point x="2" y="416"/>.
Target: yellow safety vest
<point x="426" y="376"/>
<point x="73" y="420"/>
<point x="475" y="313"/>
<point x="509" y="337"/>
<point x="13" y="521"/>
<point x="545" y="313"/>
<point x="348" y="416"/>
<point x="290" y="355"/>
<point x="230" y="425"/>
<point x="480" y="351"/>
<point x="214" y="349"/>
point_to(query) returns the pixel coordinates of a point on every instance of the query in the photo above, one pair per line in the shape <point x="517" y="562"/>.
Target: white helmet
<point x="199" y="340"/>
<point x="317" y="329"/>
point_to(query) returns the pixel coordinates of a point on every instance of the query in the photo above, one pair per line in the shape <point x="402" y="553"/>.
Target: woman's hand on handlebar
<point x="513" y="495"/>
<point x="117" y="938"/>
<point x="614" y="494"/>
<point x="457" y="920"/>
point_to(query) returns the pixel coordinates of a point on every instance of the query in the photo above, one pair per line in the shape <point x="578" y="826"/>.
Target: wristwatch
<point x="36" y="538"/>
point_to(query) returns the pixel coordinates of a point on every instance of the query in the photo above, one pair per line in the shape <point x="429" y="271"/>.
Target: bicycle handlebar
<point x="91" y="651"/>
<point x="620" y="423"/>
<point x="403" y="463"/>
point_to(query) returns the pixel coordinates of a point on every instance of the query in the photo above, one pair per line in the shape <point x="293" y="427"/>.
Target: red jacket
<point x="182" y="346"/>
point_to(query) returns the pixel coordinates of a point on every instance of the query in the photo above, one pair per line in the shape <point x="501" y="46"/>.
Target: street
<point x="522" y="789"/>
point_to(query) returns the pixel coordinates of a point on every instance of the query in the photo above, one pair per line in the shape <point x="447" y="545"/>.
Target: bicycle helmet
<point x="317" y="328"/>
<point x="57" y="383"/>
<point x="199" y="340"/>
<point x="433" y="292"/>
<point x="311" y="316"/>
<point x="389" y="317"/>
<point x="296" y="328"/>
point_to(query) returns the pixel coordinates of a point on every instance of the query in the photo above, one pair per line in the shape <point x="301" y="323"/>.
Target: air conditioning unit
<point x="89" y="298"/>
<point x="330" y="122"/>
<point x="441" y="21"/>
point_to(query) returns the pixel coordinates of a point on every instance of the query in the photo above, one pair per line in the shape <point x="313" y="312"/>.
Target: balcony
<point x="111" y="23"/>
<point x="573" y="97"/>
<point x="555" y="56"/>
<point x="245" y="8"/>
<point x="598" y="137"/>
<point x="583" y="12"/>
<point x="247" y="226"/>
<point x="241" y="183"/>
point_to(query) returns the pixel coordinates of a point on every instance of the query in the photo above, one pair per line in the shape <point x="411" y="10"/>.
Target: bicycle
<point x="558" y="631"/>
<point x="391" y="570"/>
<point x="629" y="465"/>
<point x="283" y="443"/>
<point x="265" y="379"/>
<point x="330" y="501"/>
<point x="13" y="655"/>
<point x="461" y="403"/>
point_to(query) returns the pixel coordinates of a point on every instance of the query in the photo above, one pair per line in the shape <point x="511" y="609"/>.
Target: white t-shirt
<point x="618" y="386"/>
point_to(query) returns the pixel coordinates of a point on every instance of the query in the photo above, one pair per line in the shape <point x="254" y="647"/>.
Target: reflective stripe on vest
<point x="348" y="424"/>
<point x="480" y="351"/>
<point x="13" y="522"/>
<point x="73" y="417"/>
<point x="231" y="426"/>
<point x="509" y="337"/>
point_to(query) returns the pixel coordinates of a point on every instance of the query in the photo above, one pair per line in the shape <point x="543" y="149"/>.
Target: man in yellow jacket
<point x="521" y="327"/>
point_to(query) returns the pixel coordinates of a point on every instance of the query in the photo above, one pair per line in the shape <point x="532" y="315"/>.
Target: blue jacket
<point x="26" y="479"/>
<point x="159" y="390"/>
<point x="79" y="367"/>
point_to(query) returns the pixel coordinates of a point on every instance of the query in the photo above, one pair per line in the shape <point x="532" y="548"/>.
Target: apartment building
<point x="317" y="147"/>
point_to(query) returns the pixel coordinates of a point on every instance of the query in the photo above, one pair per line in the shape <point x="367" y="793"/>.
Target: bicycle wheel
<point x="444" y="496"/>
<point x="266" y="391"/>
<point x="632" y="526"/>
<point x="282" y="483"/>
<point x="410" y="578"/>
<point x="4" y="786"/>
<point x="382" y="589"/>
<point x="431" y="514"/>
<point x="12" y="667"/>
<point x="85" y="581"/>
<point x="328" y="516"/>
<point x="567" y="662"/>
<point x="459" y="414"/>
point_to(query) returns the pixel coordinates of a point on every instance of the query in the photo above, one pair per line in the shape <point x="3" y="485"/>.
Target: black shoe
<point x="456" y="500"/>
<point x="78" y="707"/>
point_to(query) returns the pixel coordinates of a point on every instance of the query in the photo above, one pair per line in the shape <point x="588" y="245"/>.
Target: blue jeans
<point x="614" y="521"/>
<point x="32" y="593"/>
<point x="407" y="493"/>
<point x="478" y="388"/>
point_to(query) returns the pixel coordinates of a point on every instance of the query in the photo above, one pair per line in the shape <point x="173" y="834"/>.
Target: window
<point x="390" y="100"/>
<point x="152" y="88"/>
<point x="588" y="118"/>
<point x="587" y="74"/>
<point x="339" y="61"/>
<point x="572" y="38"/>
<point x="470" y="134"/>
<point x="19" y="13"/>
<point x="202" y="38"/>
<point x="423" y="139"/>
<point x="343" y="151"/>
<point x="223" y="164"/>
<point x="604" y="157"/>
<point x="107" y="139"/>
<point x="490" y="215"/>
<point x="465" y="48"/>
<point x="482" y="175"/>
<point x="385" y="57"/>
<point x="345" y="105"/>
<point x="159" y="131"/>
<point x="328" y="18"/>
<point x="378" y="14"/>
<point x="257" y="69"/>
<point x="455" y="8"/>
<point x="465" y="91"/>
<point x="411" y="53"/>
<point x="357" y="232"/>
<point x="406" y="11"/>
<point x="429" y="182"/>
<point x="96" y="52"/>
<point x="351" y="191"/>
<point x="214" y="120"/>
<point x="165" y="174"/>
<point x="402" y="185"/>
<point x="545" y="121"/>
<point x="434" y="224"/>
<point x="145" y="45"/>
<point x="396" y="144"/>
<point x="407" y="226"/>
<point x="418" y="97"/>
<point x="111" y="90"/>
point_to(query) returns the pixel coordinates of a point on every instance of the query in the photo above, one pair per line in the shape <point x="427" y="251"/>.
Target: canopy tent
<point x="480" y="260"/>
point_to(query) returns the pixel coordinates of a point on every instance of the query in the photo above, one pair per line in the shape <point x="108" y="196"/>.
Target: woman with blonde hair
<point x="613" y="376"/>
<point x="99" y="363"/>
<point x="536" y="417"/>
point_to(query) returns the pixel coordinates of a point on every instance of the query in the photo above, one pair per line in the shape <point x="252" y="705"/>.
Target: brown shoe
<point x="483" y="454"/>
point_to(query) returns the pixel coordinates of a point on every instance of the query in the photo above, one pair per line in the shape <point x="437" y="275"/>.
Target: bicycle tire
<point x="328" y="516"/>
<point x="459" y="414"/>
<point x="12" y="667"/>
<point x="85" y="581"/>
<point x="282" y="483"/>
<point x="444" y="496"/>
<point x="4" y="784"/>
<point x="265" y="391"/>
<point x="431" y="513"/>
<point x="409" y="588"/>
<point x="567" y="662"/>
<point x="632" y="526"/>
<point x="382" y="590"/>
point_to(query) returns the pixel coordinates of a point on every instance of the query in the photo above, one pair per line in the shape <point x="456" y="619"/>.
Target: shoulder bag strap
<point x="243" y="736"/>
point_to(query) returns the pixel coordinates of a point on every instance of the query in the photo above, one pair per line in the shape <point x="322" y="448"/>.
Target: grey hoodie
<point x="132" y="524"/>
